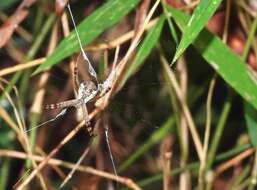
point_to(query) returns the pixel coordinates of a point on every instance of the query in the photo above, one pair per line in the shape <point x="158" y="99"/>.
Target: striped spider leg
<point x="87" y="90"/>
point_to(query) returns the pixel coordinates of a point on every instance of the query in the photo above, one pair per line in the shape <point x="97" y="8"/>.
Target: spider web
<point x="143" y="100"/>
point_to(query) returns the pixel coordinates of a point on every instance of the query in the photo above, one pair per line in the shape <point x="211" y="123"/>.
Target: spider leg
<point x="86" y="118"/>
<point x="64" y="104"/>
<point x="107" y="84"/>
<point x="75" y="76"/>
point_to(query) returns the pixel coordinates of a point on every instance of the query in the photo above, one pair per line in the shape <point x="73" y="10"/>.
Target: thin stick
<point x="220" y="169"/>
<point x="113" y="44"/>
<point x="23" y="66"/>
<point x="203" y="163"/>
<point x="123" y="63"/>
<point x="119" y="40"/>
<point x="184" y="182"/>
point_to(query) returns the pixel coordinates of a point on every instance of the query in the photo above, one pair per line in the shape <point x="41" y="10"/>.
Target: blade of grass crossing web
<point x="155" y="138"/>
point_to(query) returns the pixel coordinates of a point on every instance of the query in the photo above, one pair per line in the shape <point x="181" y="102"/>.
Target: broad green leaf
<point x="199" y="18"/>
<point x="146" y="47"/>
<point x="91" y="27"/>
<point x="226" y="63"/>
<point x="251" y="122"/>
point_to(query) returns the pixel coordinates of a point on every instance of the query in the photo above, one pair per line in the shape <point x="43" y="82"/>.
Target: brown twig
<point x="234" y="161"/>
<point x="20" y="30"/>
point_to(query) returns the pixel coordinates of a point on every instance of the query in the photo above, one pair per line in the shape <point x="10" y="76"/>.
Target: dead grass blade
<point x="20" y="67"/>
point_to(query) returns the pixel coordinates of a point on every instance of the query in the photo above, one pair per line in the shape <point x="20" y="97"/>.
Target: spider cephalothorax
<point x="87" y="91"/>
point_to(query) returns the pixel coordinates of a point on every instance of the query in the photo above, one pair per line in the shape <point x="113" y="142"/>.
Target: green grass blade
<point x="91" y="27"/>
<point x="170" y="22"/>
<point x="146" y="47"/>
<point x="251" y="122"/>
<point x="226" y="63"/>
<point x="155" y="138"/>
<point x="198" y="20"/>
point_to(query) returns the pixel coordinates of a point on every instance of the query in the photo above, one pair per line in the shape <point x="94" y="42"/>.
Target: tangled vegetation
<point x="172" y="102"/>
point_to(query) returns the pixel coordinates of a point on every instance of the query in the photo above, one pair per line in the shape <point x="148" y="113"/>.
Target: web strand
<point x="69" y="176"/>
<point x="106" y="130"/>
<point x="90" y="67"/>
<point x="63" y="112"/>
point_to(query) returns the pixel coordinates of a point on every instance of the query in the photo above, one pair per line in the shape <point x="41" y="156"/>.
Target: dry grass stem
<point x="234" y="161"/>
<point x="22" y="66"/>
<point x="65" y="24"/>
<point x="113" y="44"/>
<point x="119" y="40"/>
<point x="22" y="127"/>
<point x="125" y="181"/>
<point x="123" y="63"/>
<point x="21" y="31"/>
<point x="207" y="133"/>
<point x="166" y="158"/>
<point x="185" y="183"/>
<point x="185" y="109"/>
<point x="38" y="100"/>
<point x="190" y="5"/>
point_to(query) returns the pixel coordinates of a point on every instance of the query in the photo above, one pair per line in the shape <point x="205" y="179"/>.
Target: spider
<point x="86" y="90"/>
